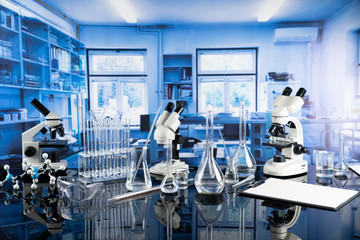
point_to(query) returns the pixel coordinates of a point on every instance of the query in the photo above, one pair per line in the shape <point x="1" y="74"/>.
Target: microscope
<point x="32" y="150"/>
<point x="167" y="128"/>
<point x="290" y="163"/>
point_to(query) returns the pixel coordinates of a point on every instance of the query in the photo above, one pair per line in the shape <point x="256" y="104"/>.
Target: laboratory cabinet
<point x="37" y="60"/>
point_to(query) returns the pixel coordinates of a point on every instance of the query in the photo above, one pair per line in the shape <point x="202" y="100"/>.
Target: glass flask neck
<point x="209" y="134"/>
<point x="169" y="156"/>
<point x="242" y="124"/>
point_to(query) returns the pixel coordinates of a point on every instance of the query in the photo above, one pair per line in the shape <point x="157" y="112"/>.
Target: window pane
<point x="212" y="95"/>
<point x="103" y="92"/>
<point x="232" y="61"/>
<point x="133" y="101"/>
<point x="116" y="63"/>
<point x="241" y="91"/>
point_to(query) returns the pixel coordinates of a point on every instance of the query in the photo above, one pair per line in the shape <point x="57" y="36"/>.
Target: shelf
<point x="57" y="70"/>
<point x="20" y="121"/>
<point x="35" y="62"/>
<point x="9" y="30"/>
<point x="38" y="89"/>
<point x="77" y="75"/>
<point x="58" y="46"/>
<point x="179" y="99"/>
<point x="34" y="36"/>
<point x="179" y="83"/>
<point x="9" y="59"/>
<point x="177" y="66"/>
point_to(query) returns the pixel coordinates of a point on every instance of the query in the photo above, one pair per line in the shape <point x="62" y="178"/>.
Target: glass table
<point x="36" y="215"/>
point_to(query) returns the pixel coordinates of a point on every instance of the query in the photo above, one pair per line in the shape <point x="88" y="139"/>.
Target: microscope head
<point x="167" y="124"/>
<point x="285" y="104"/>
<point x="52" y="119"/>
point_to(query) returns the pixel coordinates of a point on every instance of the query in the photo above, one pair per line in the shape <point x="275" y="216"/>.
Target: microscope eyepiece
<point x="287" y="91"/>
<point x="179" y="110"/>
<point x="41" y="108"/>
<point x="301" y="92"/>
<point x="169" y="107"/>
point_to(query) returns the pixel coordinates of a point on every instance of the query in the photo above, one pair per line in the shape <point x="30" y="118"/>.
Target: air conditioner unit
<point x="296" y="34"/>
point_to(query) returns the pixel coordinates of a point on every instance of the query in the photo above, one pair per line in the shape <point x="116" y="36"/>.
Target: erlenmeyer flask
<point x="209" y="179"/>
<point x="340" y="167"/>
<point x="169" y="183"/>
<point x="242" y="156"/>
<point x="138" y="177"/>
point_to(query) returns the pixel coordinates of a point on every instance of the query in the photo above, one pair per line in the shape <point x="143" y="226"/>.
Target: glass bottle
<point x="138" y="176"/>
<point x="209" y="179"/>
<point x="169" y="183"/>
<point x="242" y="156"/>
<point x="341" y="167"/>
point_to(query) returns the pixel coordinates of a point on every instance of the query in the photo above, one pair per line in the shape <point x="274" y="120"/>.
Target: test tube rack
<point x="106" y="149"/>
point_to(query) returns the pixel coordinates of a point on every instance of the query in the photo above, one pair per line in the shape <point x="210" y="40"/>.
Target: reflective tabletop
<point x="41" y="214"/>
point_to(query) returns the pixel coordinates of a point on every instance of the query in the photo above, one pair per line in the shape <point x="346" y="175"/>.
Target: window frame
<point x="226" y="75"/>
<point x="118" y="78"/>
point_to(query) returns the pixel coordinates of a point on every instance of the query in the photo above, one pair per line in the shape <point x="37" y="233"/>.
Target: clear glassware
<point x="138" y="177"/>
<point x="209" y="179"/>
<point x="79" y="200"/>
<point x="242" y="156"/>
<point x="169" y="183"/>
<point x="209" y="208"/>
<point x="341" y="168"/>
<point x="231" y="174"/>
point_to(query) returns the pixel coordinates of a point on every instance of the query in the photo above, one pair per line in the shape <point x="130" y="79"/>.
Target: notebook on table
<point x="355" y="168"/>
<point x="302" y="194"/>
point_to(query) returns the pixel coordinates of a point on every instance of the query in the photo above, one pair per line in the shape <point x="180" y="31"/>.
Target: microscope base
<point x="161" y="167"/>
<point x="288" y="169"/>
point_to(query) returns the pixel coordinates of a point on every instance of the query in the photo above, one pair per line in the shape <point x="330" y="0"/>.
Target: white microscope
<point x="32" y="150"/>
<point x="290" y="163"/>
<point x="167" y="128"/>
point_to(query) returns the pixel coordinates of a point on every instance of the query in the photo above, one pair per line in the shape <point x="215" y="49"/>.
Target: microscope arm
<point x="296" y="130"/>
<point x="28" y="136"/>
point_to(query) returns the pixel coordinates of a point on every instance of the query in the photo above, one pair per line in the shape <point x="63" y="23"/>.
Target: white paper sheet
<point x="355" y="168"/>
<point x="302" y="194"/>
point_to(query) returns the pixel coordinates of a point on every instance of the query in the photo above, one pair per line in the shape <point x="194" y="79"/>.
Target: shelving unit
<point x="37" y="61"/>
<point x="177" y="77"/>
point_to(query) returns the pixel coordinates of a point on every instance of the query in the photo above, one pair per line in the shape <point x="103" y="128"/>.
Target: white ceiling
<point x="186" y="12"/>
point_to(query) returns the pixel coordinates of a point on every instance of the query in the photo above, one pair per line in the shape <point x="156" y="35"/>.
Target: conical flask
<point x="138" y="176"/>
<point x="341" y="167"/>
<point x="209" y="179"/>
<point x="169" y="183"/>
<point x="242" y="156"/>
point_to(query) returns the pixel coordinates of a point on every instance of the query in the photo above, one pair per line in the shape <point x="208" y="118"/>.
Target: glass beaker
<point x="341" y="168"/>
<point x="169" y="183"/>
<point x="138" y="177"/>
<point x="324" y="163"/>
<point x="242" y="156"/>
<point x="209" y="179"/>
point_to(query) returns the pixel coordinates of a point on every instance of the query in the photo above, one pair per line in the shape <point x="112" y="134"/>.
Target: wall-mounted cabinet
<point x="177" y="77"/>
<point x="37" y="61"/>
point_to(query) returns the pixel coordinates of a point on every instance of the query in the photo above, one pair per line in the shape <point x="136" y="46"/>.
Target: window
<point x="226" y="77"/>
<point x="117" y="79"/>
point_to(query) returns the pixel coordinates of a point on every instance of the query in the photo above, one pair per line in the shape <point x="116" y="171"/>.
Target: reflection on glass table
<point x="232" y="216"/>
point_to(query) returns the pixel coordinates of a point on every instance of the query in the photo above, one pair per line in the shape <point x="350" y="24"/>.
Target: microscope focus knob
<point x="279" y="158"/>
<point x="299" y="149"/>
<point x="30" y="151"/>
